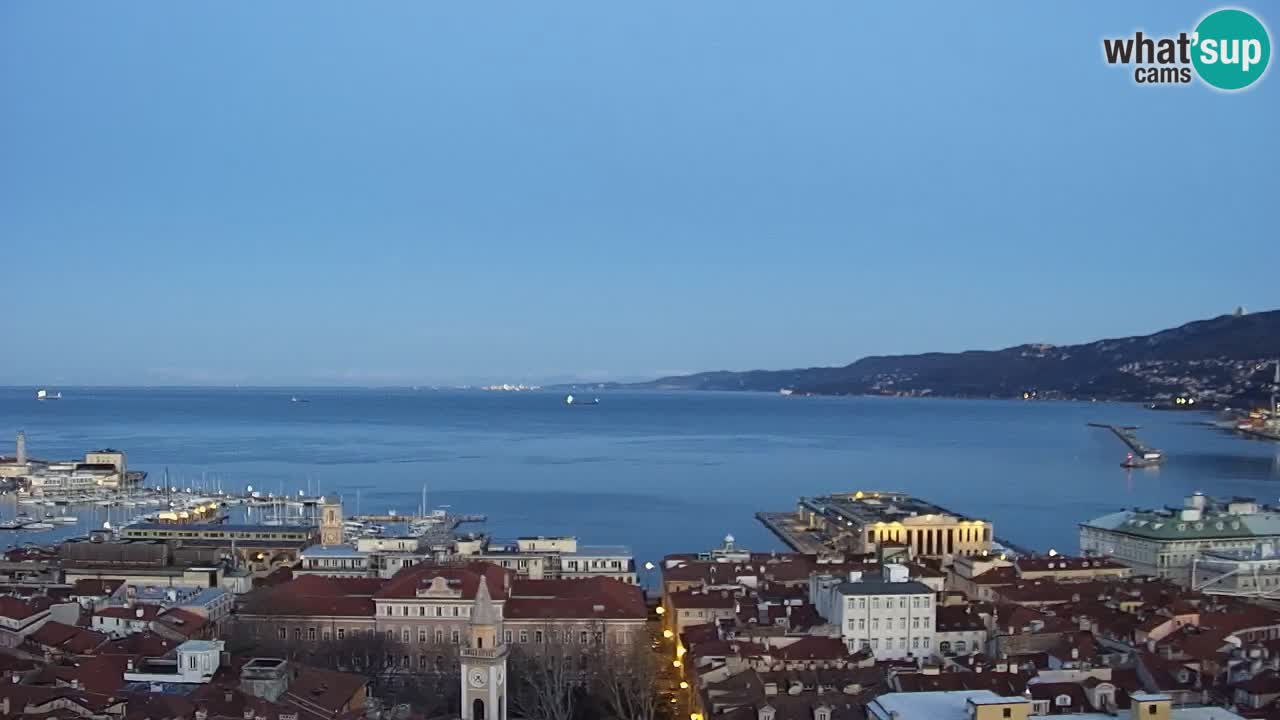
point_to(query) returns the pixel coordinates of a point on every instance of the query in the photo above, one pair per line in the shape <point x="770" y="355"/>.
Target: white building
<point x="333" y="561"/>
<point x="893" y="617"/>
<point x="193" y="662"/>
<point x="1254" y="572"/>
<point x="1166" y="542"/>
<point x="560" y="557"/>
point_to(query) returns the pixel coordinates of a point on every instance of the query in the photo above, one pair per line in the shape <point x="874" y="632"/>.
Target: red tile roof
<point x="323" y="693"/>
<point x="183" y="622"/>
<point x="143" y="644"/>
<point x="595" y="597"/>
<point x="466" y="578"/>
<point x="139" y="613"/>
<point x="310" y="595"/>
<point x="813" y="648"/>
<point x="93" y="587"/>
<point x="69" y="638"/>
<point x="716" y="600"/>
<point x="16" y="609"/>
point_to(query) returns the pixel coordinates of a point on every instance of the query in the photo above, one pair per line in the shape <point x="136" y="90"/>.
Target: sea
<point x="660" y="472"/>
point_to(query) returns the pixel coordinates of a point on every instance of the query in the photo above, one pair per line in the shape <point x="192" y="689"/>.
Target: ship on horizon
<point x="42" y="394"/>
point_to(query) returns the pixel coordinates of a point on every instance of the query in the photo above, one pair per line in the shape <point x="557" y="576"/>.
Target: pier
<point x="795" y="534"/>
<point x="1126" y="434"/>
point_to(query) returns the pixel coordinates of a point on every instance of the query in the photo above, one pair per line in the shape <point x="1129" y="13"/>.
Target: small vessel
<point x="571" y="400"/>
<point x="785" y="391"/>
<point x="1132" y="461"/>
<point x="38" y="526"/>
<point x="43" y="394"/>
<point x="64" y="519"/>
<point x="296" y="399"/>
<point x="11" y="524"/>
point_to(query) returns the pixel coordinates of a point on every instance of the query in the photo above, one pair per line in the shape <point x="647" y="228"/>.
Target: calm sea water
<point x="661" y="472"/>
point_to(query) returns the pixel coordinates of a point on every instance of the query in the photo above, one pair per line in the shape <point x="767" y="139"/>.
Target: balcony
<point x="485" y="653"/>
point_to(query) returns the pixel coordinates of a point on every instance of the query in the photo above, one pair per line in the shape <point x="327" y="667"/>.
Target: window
<point x="915" y="643"/>
<point x="455" y="611"/>
<point x="388" y="611"/>
<point x="862" y="603"/>
<point x="924" y="642"/>
<point x="439" y="611"/>
<point x="506" y="635"/>
<point x="191" y="662"/>
<point x="537" y="636"/>
<point x="391" y="636"/>
<point x="915" y="623"/>
<point x="342" y="633"/>
<point x="902" y="603"/>
<point x="875" y="603"/>
<point x="422" y="635"/>
<point x="404" y="611"/>
<point x="422" y="662"/>
<point x="902" y="623"/>
<point x="453" y="637"/>
<point x="875" y="643"/>
<point x="582" y="637"/>
<point x="283" y="633"/>
<point x="404" y="635"/>
<point x="1006" y="712"/>
<point x="422" y="611"/>
<point x="297" y="633"/>
<point x="524" y="636"/>
<point x="862" y="623"/>
<point x="1151" y="710"/>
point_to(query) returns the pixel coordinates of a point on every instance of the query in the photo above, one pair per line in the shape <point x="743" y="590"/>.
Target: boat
<point x="785" y="391"/>
<point x="1132" y="461"/>
<point x="11" y="524"/>
<point x="43" y="394"/>
<point x="38" y="526"/>
<point x="571" y="400"/>
<point x="63" y="519"/>
<point x="296" y="399"/>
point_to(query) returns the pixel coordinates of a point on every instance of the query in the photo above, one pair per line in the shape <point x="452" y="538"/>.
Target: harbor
<point x="1139" y="454"/>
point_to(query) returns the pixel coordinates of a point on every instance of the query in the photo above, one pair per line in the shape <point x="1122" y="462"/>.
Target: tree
<point x="625" y="679"/>
<point x="545" y="679"/>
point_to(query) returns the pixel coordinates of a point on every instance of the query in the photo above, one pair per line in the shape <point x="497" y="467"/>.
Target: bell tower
<point x="330" y="522"/>
<point x="484" y="661"/>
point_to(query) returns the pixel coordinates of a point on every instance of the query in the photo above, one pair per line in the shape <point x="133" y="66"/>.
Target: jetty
<point x="1142" y="455"/>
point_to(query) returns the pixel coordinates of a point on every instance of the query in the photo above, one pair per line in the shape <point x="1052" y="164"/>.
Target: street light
<point x="676" y="663"/>
<point x="648" y="566"/>
<point x="668" y="634"/>
<point x="660" y="610"/>
<point x="684" y="685"/>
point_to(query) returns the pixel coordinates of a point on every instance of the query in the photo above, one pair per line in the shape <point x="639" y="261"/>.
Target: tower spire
<point x="483" y="612"/>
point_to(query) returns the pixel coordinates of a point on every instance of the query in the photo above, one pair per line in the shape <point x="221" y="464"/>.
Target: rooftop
<point x="866" y="508"/>
<point x="880" y="587"/>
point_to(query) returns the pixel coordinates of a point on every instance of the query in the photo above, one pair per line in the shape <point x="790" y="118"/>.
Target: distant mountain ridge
<point x="1220" y="361"/>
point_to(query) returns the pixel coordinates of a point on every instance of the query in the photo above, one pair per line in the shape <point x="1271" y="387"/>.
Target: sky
<point x="444" y="192"/>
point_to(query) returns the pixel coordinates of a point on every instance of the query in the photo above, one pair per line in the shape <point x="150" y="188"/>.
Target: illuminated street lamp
<point x="676" y="663"/>
<point x="684" y="685"/>
<point x="660" y="610"/>
<point x="648" y="566"/>
<point x="668" y="634"/>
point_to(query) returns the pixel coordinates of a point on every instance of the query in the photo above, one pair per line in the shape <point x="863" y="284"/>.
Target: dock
<point x="796" y="536"/>
<point x="1127" y="436"/>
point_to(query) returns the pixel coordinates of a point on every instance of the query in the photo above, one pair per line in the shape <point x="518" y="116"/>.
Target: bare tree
<point x="625" y="679"/>
<point x="546" y="678"/>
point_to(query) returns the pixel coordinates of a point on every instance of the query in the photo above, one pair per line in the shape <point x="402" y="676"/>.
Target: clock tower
<point x="330" y="521"/>
<point x="484" y="661"/>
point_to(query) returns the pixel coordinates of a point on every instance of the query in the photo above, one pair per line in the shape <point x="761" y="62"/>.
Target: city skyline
<point x="440" y="195"/>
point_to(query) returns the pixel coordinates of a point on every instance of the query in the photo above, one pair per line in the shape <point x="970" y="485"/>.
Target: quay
<point x="1142" y="454"/>
<point x="864" y="522"/>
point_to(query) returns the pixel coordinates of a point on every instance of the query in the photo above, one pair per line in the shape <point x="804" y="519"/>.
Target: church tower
<point x="330" y="522"/>
<point x="484" y="662"/>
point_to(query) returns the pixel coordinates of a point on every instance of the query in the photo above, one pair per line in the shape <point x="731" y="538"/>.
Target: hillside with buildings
<point x="1226" y="360"/>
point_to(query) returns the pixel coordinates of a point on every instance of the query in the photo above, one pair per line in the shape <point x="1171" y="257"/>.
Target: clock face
<point x="477" y="678"/>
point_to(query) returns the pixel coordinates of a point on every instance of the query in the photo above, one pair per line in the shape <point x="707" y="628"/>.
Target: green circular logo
<point x="1231" y="49"/>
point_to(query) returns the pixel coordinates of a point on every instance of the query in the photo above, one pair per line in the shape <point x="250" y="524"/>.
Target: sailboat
<point x="43" y="394"/>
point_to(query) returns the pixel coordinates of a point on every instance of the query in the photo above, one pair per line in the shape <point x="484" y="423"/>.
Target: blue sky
<point x="419" y="192"/>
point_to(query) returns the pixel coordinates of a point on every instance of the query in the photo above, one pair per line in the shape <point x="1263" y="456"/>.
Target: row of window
<point x="917" y="623"/>
<point x="918" y="602"/>
<point x="917" y="643"/>
<point x="429" y="610"/>
<point x="582" y="637"/>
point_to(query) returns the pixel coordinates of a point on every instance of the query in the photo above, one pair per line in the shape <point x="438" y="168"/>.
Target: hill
<point x="1219" y="361"/>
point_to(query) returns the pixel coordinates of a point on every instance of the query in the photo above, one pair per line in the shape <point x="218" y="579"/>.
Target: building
<point x="892" y="617"/>
<point x="1166" y="542"/>
<point x="987" y="705"/>
<point x="1253" y="572"/>
<point x="860" y="522"/>
<point x="431" y="604"/>
<point x="484" y="662"/>
<point x="540" y="557"/>
<point x="334" y="561"/>
<point x="303" y="534"/>
<point x="193" y="662"/>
